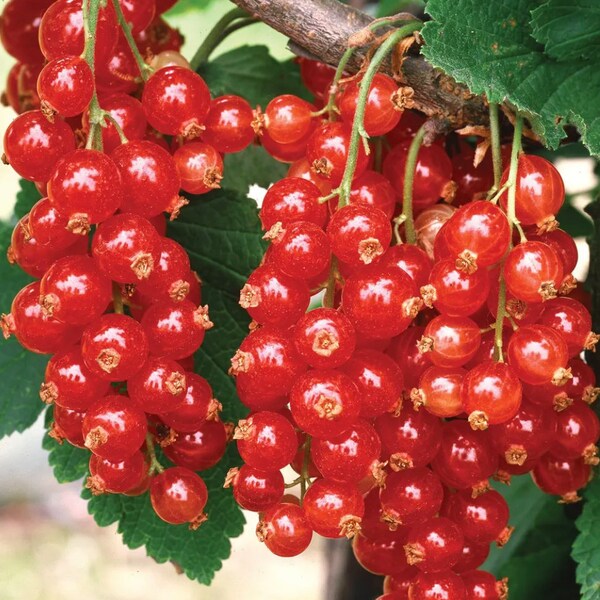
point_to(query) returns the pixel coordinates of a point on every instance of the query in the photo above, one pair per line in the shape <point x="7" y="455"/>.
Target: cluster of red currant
<point x="430" y="367"/>
<point x="115" y="301"/>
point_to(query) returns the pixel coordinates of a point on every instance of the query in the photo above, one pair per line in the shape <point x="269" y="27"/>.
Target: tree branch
<point x="320" y="29"/>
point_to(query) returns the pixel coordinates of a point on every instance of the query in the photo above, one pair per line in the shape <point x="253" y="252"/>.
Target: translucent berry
<point x="450" y="341"/>
<point x="255" y="489"/>
<point x="229" y="124"/>
<point x="116" y="477"/>
<point x="561" y="476"/>
<point x="284" y="530"/>
<point x="200" y="167"/>
<point x="444" y="585"/>
<point x="288" y="118"/>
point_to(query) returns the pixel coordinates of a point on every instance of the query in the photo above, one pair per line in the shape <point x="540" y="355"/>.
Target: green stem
<point x="330" y="107"/>
<point x="155" y="466"/>
<point x="215" y="37"/>
<point x="409" y="181"/>
<point x="145" y="69"/>
<point x="495" y="143"/>
<point x="114" y="122"/>
<point x="359" y="134"/>
<point x="304" y="475"/>
<point x="500" y="316"/>
<point x="90" y="10"/>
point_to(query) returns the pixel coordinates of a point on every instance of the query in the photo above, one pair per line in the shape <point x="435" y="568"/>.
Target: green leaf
<point x="536" y="559"/>
<point x="586" y="549"/>
<point x="251" y="72"/>
<point x="21" y="371"/>
<point x="386" y="8"/>
<point x="252" y="166"/>
<point x="68" y="462"/>
<point x="27" y="196"/>
<point x="222" y="235"/>
<point x="568" y="30"/>
<point x="493" y="52"/>
<point x="574" y="222"/>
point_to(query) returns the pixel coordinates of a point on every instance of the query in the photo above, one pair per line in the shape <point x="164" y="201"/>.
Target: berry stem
<point x="217" y="34"/>
<point x="495" y="142"/>
<point x="294" y="483"/>
<point x="501" y="314"/>
<point x="304" y="476"/>
<point x="359" y="135"/>
<point x="409" y="180"/>
<point x="120" y="132"/>
<point x="145" y="69"/>
<point x="117" y="299"/>
<point x="155" y="466"/>
<point x="330" y="107"/>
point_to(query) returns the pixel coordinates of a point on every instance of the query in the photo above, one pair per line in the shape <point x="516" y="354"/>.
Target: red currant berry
<point x="255" y="489"/>
<point x="33" y="145"/>
<point x="114" y="347"/>
<point x="479" y="234"/>
<point x="379" y="302"/>
<point x="292" y="199"/>
<point x="19" y="27"/>
<point x="199" y="450"/>
<point x="138" y="13"/>
<point x="179" y="496"/>
<point x="371" y="189"/>
<point x="67" y="426"/>
<point x="382" y="112"/>
<point x="316" y="76"/>
<point x="114" y="428"/>
<point x="33" y="328"/>
<point x="327" y="151"/>
<point x="562" y="243"/>
<point x="381" y="557"/>
<point x="472" y="181"/>
<point x="85" y="187"/>
<point x="333" y="508"/>
<point x="533" y="272"/>
<point x="538" y="354"/>
<point x="301" y="169"/>
<point x="176" y="101"/>
<point x="373" y="524"/>
<point x="48" y="226"/>
<point x="481" y="585"/>
<point x="229" y="124"/>
<point x="116" y="477"/>
<point x="560" y="476"/>
<point x="199" y="406"/>
<point x="444" y="585"/>
<point x="439" y="391"/>
<point x="324" y="338"/>
<point x="577" y="432"/>
<point x="199" y="166"/>
<point x="350" y="456"/>
<point x="473" y="556"/>
<point x="325" y="403"/>
<point x="405" y="352"/>
<point x="266" y="440"/>
<point x="410" y="496"/>
<point x="272" y="298"/>
<point x="69" y="383"/>
<point x="21" y="87"/>
<point x="284" y="530"/>
<point x="288" y="119"/>
<point x="126" y="247"/>
<point x="410" y="259"/>
<point x="120" y="72"/>
<point x="410" y="439"/>
<point x="450" y="341"/>
<point x="378" y="380"/>
<point x="286" y="153"/>
<point x="159" y="386"/>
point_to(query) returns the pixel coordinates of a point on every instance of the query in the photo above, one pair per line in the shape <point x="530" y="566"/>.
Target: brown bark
<point x="320" y="29"/>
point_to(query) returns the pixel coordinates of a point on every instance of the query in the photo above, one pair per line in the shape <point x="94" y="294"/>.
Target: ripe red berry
<point x="324" y="403"/>
<point x="159" y="386"/>
<point x="149" y="178"/>
<point x="538" y="354"/>
<point x="48" y="226"/>
<point x="410" y="439"/>
<point x="382" y="557"/>
<point x="74" y="291"/>
<point x="577" y="432"/>
<point x="119" y="73"/>
<point x="229" y="124"/>
<point x="374" y="190"/>
<point x="410" y="496"/>
<point x="381" y="111"/>
<point x="34" y="330"/>
<point x="410" y="259"/>
<point x="176" y="101"/>
<point x="333" y="508"/>
<point x="292" y="199"/>
<point x="288" y="118"/>
<point x="472" y="181"/>
<point x="265" y="367"/>
<point x="85" y="188"/>
<point x="444" y="584"/>
<point x="378" y="379"/>
<point x="126" y="247"/>
<point x="439" y="391"/>
<point x="255" y="489"/>
<point x="540" y="192"/>
<point x="116" y="477"/>
<point x="138" y="13"/>
<point x="473" y="556"/>
<point x="284" y="530"/>
<point x="114" y="347"/>
<point x="450" y="341"/>
<point x="65" y="86"/>
<point x="199" y="406"/>
<point x="561" y="476"/>
<point x="466" y="458"/>
<point x="533" y="272"/>
<point x="483" y="519"/>
<point x="67" y="425"/>
<point x="562" y="243"/>
<point x="179" y="496"/>
<point x="324" y="338"/>
<point x="33" y="145"/>
<point x="350" y="456"/>
<point x="199" y="450"/>
<point x="272" y="298"/>
<point x="379" y="302"/>
<point x="405" y="352"/>
<point x="481" y="585"/>
<point x="316" y="76"/>
<point x="327" y="152"/>
<point x="69" y="383"/>
<point x="19" y="29"/>
<point x="21" y="87"/>
<point x="114" y="428"/>
<point x="199" y="166"/>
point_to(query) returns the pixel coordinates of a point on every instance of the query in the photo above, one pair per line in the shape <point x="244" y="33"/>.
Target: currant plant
<point x="396" y="333"/>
